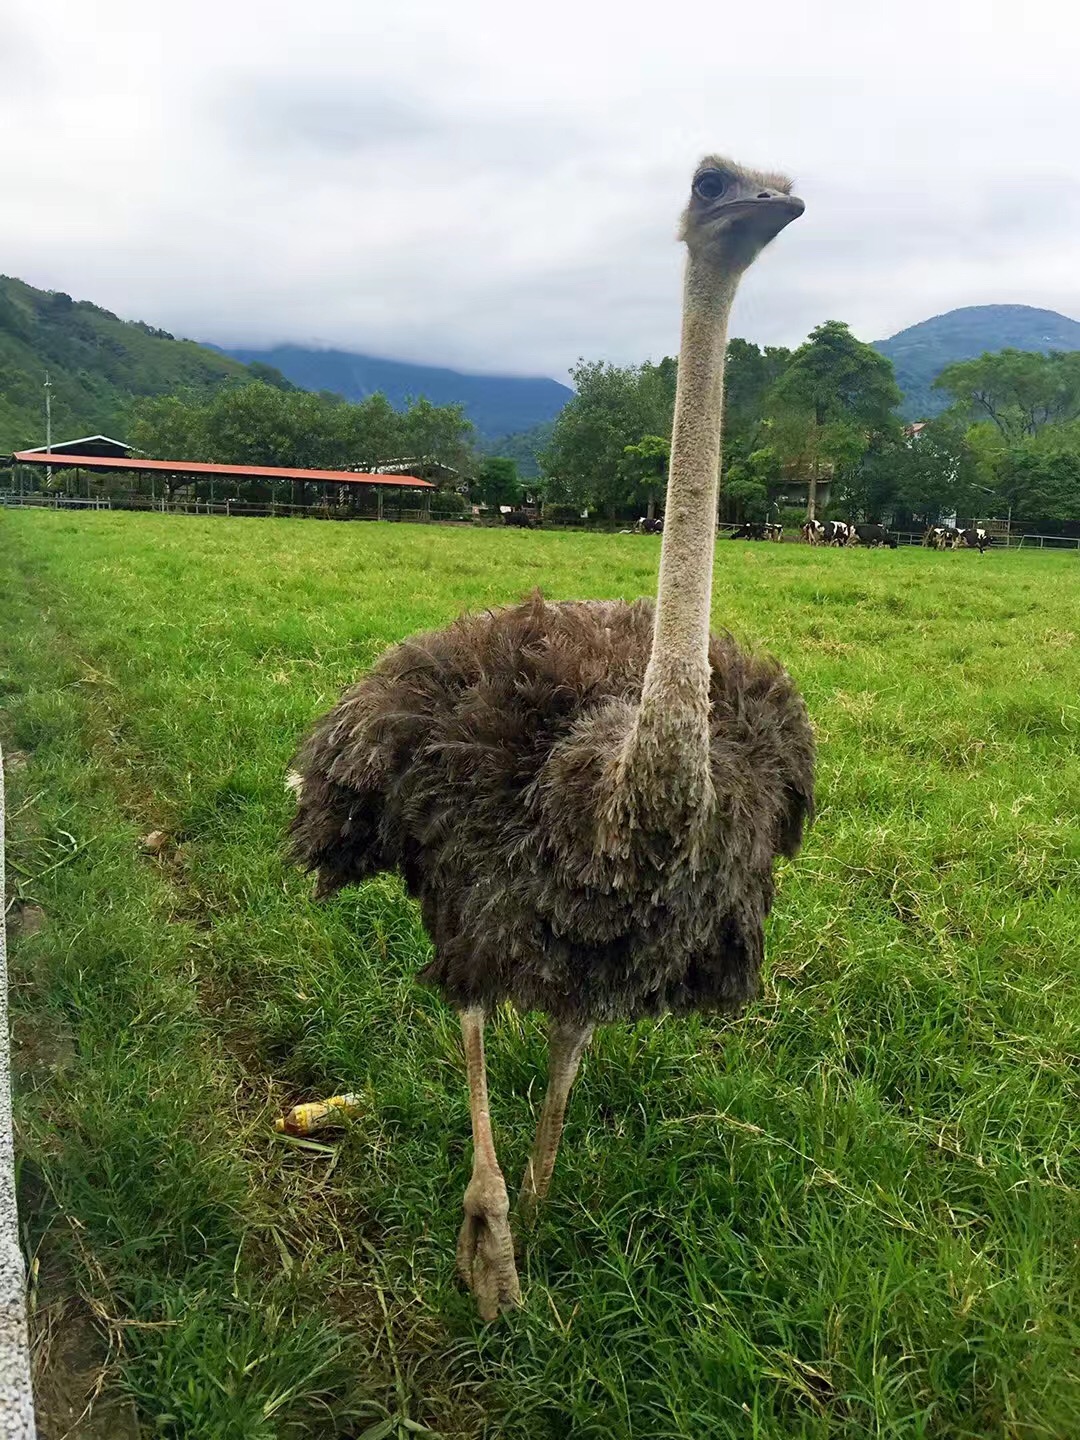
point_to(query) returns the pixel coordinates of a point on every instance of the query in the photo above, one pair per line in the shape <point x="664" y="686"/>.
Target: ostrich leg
<point x="566" y="1045"/>
<point x="485" y="1249"/>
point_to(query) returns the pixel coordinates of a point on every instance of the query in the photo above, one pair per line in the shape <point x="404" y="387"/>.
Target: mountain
<point x="97" y="364"/>
<point x="496" y="404"/>
<point x="921" y="352"/>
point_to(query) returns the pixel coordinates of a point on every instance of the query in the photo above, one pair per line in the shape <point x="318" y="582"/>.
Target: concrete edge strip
<point x="16" y="1393"/>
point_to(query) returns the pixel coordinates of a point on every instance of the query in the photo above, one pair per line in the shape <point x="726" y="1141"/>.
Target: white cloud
<point x="470" y="185"/>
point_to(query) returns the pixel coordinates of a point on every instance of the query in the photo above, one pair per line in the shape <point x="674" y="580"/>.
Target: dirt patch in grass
<point x="73" y="1374"/>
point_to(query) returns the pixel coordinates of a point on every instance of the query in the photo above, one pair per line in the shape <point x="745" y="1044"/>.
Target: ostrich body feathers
<point x="481" y="761"/>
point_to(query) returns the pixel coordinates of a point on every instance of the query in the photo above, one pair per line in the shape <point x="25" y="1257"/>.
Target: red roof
<point x="199" y="467"/>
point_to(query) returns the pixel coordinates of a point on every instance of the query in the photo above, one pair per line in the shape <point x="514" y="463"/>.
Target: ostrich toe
<point x="485" y="1249"/>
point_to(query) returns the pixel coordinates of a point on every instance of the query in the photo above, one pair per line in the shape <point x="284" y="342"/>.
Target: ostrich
<point x="586" y="798"/>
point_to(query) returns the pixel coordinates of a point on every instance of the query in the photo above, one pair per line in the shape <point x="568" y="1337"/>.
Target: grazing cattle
<point x="774" y="531"/>
<point x="975" y="538"/>
<point x="873" y="535"/>
<point x="837" y="532"/>
<point x="931" y="537"/>
<point x="748" y="530"/>
<point x="519" y="518"/>
<point x="649" y="527"/>
<point x="813" y="532"/>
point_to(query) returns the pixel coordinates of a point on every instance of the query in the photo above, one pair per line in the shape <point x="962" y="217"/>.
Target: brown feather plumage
<point x="477" y="762"/>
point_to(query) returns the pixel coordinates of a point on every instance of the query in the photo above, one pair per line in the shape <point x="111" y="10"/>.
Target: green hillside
<point x="922" y="351"/>
<point x="97" y="364"/>
<point x="523" y="447"/>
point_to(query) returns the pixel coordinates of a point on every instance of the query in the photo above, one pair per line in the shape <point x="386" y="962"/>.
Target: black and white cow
<point x="873" y="535"/>
<point x="646" y="526"/>
<point x="837" y="532"/>
<point x="975" y="538"/>
<point x="520" y="519"/>
<point x="813" y="532"/>
<point x="748" y="530"/>
<point x="774" y="531"/>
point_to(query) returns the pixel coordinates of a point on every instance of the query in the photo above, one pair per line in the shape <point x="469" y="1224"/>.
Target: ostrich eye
<point x="710" y="185"/>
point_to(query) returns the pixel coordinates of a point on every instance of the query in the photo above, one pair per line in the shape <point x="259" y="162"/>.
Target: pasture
<point x="854" y="1211"/>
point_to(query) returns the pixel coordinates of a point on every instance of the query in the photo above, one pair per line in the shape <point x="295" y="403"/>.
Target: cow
<point x="649" y="527"/>
<point x="748" y="530"/>
<point x="837" y="532"/>
<point x="519" y="518"/>
<point x="975" y="538"/>
<point x="873" y="535"/>
<point x="813" y="532"/>
<point x="774" y="531"/>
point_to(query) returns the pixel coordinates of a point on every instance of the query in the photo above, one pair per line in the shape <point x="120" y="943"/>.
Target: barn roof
<point x="59" y="459"/>
<point x="84" y="445"/>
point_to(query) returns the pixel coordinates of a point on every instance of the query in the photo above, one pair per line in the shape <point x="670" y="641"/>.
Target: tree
<point x="439" y="434"/>
<point x="656" y="385"/>
<point x="746" y="497"/>
<point x="260" y="424"/>
<point x="749" y="375"/>
<point x="939" y="473"/>
<point x="1018" y="391"/>
<point x="613" y="406"/>
<point x="584" y="458"/>
<point x="1042" y="483"/>
<point x="498" y="483"/>
<point x="829" y="400"/>
<point x="645" y="466"/>
<point x="371" y="433"/>
<point x="169" y="427"/>
<point x="745" y="491"/>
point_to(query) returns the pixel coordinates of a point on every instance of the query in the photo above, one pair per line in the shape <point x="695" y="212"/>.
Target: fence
<point x="1047" y="542"/>
<point x="54" y="502"/>
<point x="397" y="513"/>
<point x="231" y="508"/>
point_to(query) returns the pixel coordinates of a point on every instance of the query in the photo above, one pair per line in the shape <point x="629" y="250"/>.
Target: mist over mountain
<point x="496" y="404"/>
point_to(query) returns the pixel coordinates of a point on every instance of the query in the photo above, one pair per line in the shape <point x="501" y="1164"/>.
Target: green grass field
<point x="853" y="1212"/>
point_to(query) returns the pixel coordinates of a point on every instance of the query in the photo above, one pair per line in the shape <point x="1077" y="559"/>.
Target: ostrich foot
<point x="485" y="1248"/>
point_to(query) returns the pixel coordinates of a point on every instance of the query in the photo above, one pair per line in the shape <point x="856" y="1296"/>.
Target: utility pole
<point x="48" y="427"/>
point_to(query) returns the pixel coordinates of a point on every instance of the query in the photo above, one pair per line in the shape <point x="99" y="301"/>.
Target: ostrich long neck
<point x="668" y="750"/>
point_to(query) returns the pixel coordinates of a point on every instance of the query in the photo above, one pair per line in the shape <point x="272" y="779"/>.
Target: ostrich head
<point x="734" y="212"/>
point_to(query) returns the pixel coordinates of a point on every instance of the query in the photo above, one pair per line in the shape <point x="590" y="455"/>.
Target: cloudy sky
<point x="495" y="186"/>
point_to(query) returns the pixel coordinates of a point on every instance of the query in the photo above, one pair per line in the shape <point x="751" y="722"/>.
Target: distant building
<point x="794" y="490"/>
<point x="433" y="470"/>
<point x="98" y="445"/>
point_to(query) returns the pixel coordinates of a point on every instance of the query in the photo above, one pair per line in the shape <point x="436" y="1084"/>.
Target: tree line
<point x="263" y="424"/>
<point x="1009" y="442"/>
<point x="826" y="411"/>
<point x="259" y="424"/>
